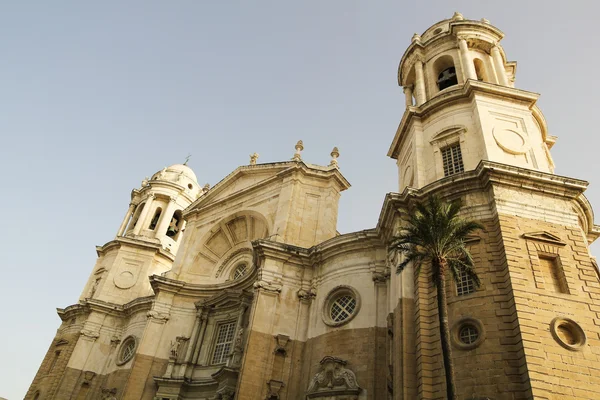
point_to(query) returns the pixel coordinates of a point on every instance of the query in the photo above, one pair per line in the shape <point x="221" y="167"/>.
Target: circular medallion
<point x="124" y="280"/>
<point x="510" y="141"/>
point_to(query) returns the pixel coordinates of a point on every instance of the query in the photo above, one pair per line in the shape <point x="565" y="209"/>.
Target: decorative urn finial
<point x="457" y="16"/>
<point x="254" y="158"/>
<point x="299" y="147"/>
<point x="334" y="155"/>
<point x="416" y="38"/>
<point x="206" y="188"/>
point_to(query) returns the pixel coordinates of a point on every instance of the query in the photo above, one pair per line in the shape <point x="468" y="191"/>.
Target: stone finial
<point x="416" y="38"/>
<point x="253" y="158"/>
<point x="457" y="16"/>
<point x="145" y="182"/>
<point x="206" y="188"/>
<point x="334" y="155"/>
<point x="485" y="20"/>
<point x="299" y="147"/>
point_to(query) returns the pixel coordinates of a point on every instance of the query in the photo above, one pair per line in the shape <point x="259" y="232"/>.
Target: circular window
<point x="127" y="350"/>
<point x="342" y="304"/>
<point x="190" y="186"/>
<point x="568" y="333"/>
<point x="437" y="31"/>
<point x="467" y="333"/>
<point x="240" y="271"/>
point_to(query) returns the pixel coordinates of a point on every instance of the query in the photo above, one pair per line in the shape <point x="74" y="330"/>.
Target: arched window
<point x="155" y="219"/>
<point x="480" y="70"/>
<point x="175" y="225"/>
<point x="136" y="216"/>
<point x="447" y="78"/>
<point x="445" y="72"/>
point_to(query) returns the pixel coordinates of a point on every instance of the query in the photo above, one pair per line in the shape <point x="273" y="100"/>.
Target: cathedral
<point x="246" y="290"/>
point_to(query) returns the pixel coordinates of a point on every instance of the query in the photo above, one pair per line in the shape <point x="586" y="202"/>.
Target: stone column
<point x="467" y="63"/>
<point x="198" y="346"/>
<point x="419" y="83"/>
<point x="165" y="218"/>
<point x="126" y="220"/>
<point x="143" y="215"/>
<point x="499" y="66"/>
<point x="408" y="95"/>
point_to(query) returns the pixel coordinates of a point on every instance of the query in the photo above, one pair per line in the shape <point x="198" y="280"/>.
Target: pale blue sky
<point x="94" y="96"/>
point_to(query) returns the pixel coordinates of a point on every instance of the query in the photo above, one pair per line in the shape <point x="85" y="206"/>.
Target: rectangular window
<point x="465" y="284"/>
<point x="553" y="274"/>
<point x="452" y="160"/>
<point x="54" y="360"/>
<point x="225" y="334"/>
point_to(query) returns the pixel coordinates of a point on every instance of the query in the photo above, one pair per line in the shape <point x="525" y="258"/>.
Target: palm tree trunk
<point x="445" y="330"/>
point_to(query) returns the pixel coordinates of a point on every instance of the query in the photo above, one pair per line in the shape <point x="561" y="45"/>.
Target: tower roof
<point x="173" y="172"/>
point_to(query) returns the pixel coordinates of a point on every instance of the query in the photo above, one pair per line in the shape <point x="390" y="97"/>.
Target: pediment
<point x="242" y="180"/>
<point x="544" y="236"/>
<point x="225" y="299"/>
<point x="448" y="133"/>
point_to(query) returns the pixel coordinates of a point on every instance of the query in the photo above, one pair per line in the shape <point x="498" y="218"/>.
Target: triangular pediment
<point x="242" y="180"/>
<point x="544" y="236"/>
<point x="225" y="299"/>
<point x="448" y="133"/>
<point x="248" y="179"/>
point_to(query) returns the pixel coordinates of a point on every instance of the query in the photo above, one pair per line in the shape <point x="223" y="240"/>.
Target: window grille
<point x="468" y="334"/>
<point x="225" y="335"/>
<point x="342" y="308"/>
<point x="465" y="284"/>
<point x="452" y="160"/>
<point x="240" y="271"/>
<point x="128" y="350"/>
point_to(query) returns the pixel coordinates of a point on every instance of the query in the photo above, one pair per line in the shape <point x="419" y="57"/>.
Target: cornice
<point x="487" y="174"/>
<point x="161" y="283"/>
<point x="105" y="307"/>
<point x="462" y="93"/>
<point x="141" y="244"/>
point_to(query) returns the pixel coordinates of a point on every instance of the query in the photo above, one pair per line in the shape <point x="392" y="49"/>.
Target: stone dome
<point x="187" y="171"/>
<point x="174" y="174"/>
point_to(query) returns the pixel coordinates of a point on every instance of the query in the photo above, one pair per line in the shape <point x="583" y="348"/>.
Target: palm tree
<point x="435" y="236"/>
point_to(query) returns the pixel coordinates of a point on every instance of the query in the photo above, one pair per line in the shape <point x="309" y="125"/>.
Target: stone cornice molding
<point x="145" y="244"/>
<point x="73" y="311"/>
<point x="489" y="173"/>
<point x="463" y="93"/>
<point x="228" y="298"/>
<point x="161" y="283"/>
<point x="306" y="257"/>
<point x="162" y="184"/>
<point x="104" y="307"/>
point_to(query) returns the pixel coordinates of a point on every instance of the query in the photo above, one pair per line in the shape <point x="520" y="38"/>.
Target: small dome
<point x="187" y="171"/>
<point x="181" y="175"/>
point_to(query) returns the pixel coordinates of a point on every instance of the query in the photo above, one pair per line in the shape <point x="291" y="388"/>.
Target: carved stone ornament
<point x="307" y="295"/>
<point x="381" y="276"/>
<point x="89" y="335"/>
<point x="267" y="286"/>
<point x="334" y="379"/>
<point x="88" y="376"/>
<point x="157" y="316"/>
<point x="281" y="342"/>
<point x="274" y="389"/>
<point x="109" y="394"/>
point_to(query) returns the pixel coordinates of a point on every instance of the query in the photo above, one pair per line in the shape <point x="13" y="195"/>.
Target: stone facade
<point x="247" y="291"/>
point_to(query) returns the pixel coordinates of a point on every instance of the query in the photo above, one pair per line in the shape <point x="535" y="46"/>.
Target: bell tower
<point x="148" y="237"/>
<point x="462" y="106"/>
<point x="531" y="330"/>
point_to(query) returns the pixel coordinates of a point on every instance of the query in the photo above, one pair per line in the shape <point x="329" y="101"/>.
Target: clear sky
<point x="94" y="96"/>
